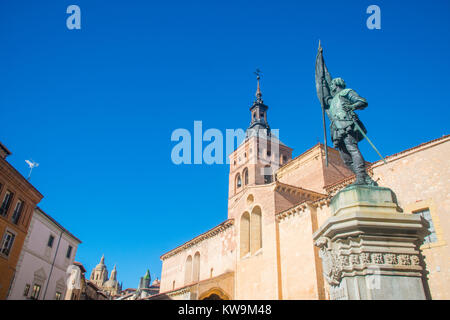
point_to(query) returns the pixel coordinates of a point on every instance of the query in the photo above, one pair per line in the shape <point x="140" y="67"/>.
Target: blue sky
<point x="96" y="107"/>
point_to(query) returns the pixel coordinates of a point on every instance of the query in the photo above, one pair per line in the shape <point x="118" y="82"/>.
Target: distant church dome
<point x="111" y="283"/>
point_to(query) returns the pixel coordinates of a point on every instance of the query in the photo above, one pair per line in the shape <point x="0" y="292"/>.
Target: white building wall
<point x="36" y="260"/>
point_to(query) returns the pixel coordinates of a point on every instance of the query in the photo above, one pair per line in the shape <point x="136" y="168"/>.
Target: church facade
<point x="265" y="250"/>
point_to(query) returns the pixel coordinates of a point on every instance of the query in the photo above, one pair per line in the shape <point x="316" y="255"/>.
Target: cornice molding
<point x="294" y="189"/>
<point x="204" y="236"/>
<point x="297" y="209"/>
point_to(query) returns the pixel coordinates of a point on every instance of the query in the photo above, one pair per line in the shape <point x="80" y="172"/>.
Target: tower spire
<point x="258" y="88"/>
<point x="114" y="273"/>
<point x="258" y="111"/>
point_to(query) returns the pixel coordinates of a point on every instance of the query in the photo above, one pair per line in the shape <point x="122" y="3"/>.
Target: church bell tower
<point x="256" y="159"/>
<point x="258" y="113"/>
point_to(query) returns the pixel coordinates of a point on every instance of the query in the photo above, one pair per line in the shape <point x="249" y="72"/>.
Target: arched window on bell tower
<point x="245" y="176"/>
<point x="238" y="181"/>
<point x="267" y="174"/>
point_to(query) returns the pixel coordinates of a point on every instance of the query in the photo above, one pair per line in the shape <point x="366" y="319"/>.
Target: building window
<point x="267" y="174"/>
<point x="255" y="230"/>
<point x="8" y="240"/>
<point x="425" y="213"/>
<point x="6" y="202"/>
<point x="58" y="296"/>
<point x="51" y="239"/>
<point x="69" y="252"/>
<point x="26" y="290"/>
<point x="245" y="234"/>
<point x="188" y="271"/>
<point x="251" y="232"/>
<point x="238" y="181"/>
<point x="36" y="292"/>
<point x="17" y="212"/>
<point x="245" y="176"/>
<point x="173" y="285"/>
<point x="196" y="267"/>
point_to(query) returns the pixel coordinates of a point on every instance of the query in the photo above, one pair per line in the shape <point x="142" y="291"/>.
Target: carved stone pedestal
<point x="369" y="249"/>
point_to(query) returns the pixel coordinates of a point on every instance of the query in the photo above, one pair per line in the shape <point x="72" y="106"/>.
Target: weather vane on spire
<point x="258" y="90"/>
<point x="257" y="73"/>
<point x="32" y="165"/>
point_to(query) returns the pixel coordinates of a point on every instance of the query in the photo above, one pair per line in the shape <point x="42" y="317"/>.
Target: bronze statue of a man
<point x="347" y="130"/>
<point x="340" y="105"/>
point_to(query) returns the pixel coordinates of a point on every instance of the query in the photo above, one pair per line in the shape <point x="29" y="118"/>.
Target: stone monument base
<point x="369" y="248"/>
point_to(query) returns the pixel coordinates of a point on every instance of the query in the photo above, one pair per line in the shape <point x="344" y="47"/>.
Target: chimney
<point x="4" y="152"/>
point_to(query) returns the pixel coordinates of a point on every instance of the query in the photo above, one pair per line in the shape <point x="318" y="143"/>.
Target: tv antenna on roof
<point x="32" y="165"/>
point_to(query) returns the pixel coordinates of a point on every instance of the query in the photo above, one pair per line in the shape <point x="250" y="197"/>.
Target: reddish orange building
<point x="18" y="198"/>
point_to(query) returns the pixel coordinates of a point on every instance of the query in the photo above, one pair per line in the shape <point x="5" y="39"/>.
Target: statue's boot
<point x="360" y="180"/>
<point x="370" y="181"/>
<point x="364" y="179"/>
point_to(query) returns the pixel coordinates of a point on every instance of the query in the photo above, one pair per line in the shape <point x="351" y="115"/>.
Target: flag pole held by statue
<point x="320" y="73"/>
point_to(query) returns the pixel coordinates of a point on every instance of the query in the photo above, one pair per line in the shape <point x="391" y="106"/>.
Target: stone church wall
<point x="421" y="179"/>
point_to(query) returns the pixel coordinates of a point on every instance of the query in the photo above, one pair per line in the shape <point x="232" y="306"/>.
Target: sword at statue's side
<point x="365" y="136"/>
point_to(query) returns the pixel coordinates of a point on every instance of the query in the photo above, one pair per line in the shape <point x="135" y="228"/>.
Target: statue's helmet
<point x="338" y="82"/>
